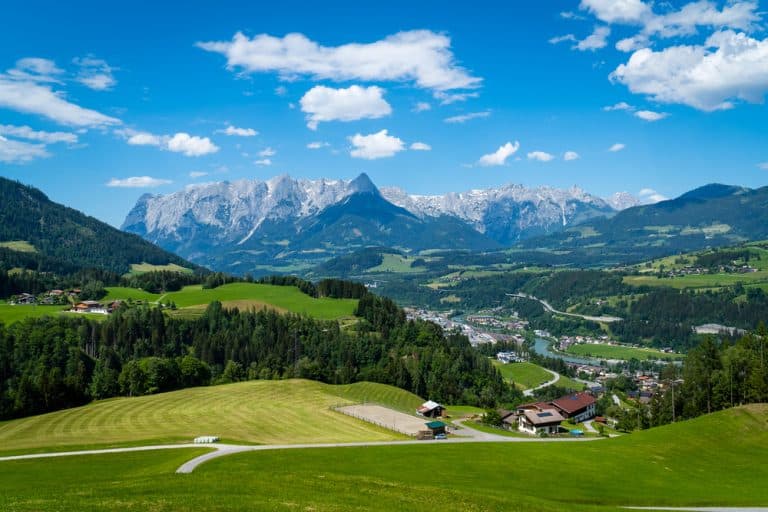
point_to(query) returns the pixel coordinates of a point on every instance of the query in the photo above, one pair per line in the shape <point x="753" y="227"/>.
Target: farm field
<point x="123" y="293"/>
<point x="10" y="314"/>
<point x="699" y="281"/>
<point x="18" y="246"/>
<point x="269" y="412"/>
<point x="625" y="353"/>
<point x="396" y="263"/>
<point x="143" y="268"/>
<point x="524" y="375"/>
<point x="287" y="298"/>
<point x="675" y="465"/>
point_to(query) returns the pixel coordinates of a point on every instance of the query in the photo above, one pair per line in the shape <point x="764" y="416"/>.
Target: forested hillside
<point x="63" y="240"/>
<point x="52" y="363"/>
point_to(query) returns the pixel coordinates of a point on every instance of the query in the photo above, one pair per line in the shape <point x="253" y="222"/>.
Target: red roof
<point x="575" y="402"/>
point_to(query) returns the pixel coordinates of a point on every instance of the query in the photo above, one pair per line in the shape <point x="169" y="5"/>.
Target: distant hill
<point x="42" y="235"/>
<point x="710" y="216"/>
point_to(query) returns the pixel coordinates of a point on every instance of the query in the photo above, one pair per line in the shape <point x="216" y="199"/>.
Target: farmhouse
<point x="540" y="421"/>
<point x="577" y="406"/>
<point x="25" y="298"/>
<point x="430" y="409"/>
<point x="90" y="306"/>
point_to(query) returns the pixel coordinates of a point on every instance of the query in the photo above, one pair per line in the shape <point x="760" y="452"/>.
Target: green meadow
<point x="251" y="295"/>
<point x="524" y="375"/>
<point x="396" y="263"/>
<point x="260" y="412"/>
<point x="10" y="314"/>
<point x="714" y="460"/>
<point x="623" y="352"/>
<point x="143" y="268"/>
<point x="18" y="246"/>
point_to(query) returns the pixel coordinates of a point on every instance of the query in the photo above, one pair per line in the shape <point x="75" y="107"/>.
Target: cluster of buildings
<point x="567" y="341"/>
<point x="495" y="323"/>
<point x="510" y="357"/>
<point x="476" y="336"/>
<point x="541" y="418"/>
<point x="94" y="306"/>
<point x="48" y="298"/>
<point x="720" y="269"/>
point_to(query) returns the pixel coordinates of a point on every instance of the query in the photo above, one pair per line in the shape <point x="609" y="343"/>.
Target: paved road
<point x="468" y="435"/>
<point x="555" y="378"/>
<point x="548" y="307"/>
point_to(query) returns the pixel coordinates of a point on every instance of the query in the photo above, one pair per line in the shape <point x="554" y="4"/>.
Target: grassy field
<point x="18" y="246"/>
<point x="524" y="375"/>
<point x="698" y="281"/>
<point x="396" y="263"/>
<point x="625" y="353"/>
<point x="287" y="298"/>
<point x="567" y="382"/>
<point x="143" y="268"/>
<point x="123" y="293"/>
<point x="289" y="411"/>
<point x="10" y="314"/>
<point x="711" y="461"/>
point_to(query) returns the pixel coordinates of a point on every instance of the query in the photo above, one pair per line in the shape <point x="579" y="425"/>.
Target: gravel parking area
<point x="387" y="418"/>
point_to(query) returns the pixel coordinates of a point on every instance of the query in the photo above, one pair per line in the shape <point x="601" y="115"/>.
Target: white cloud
<point x="617" y="147"/>
<point x="238" y="132"/>
<point x="763" y="166"/>
<point x="375" y="145"/>
<point x="95" y="73"/>
<point x="562" y="39"/>
<point x="421" y="146"/>
<point x="570" y="155"/>
<point x="263" y="162"/>
<point x="191" y="145"/>
<point x="421" y="56"/>
<point x="35" y="69"/>
<point x="317" y="145"/>
<point x="14" y="151"/>
<point x="144" y="139"/>
<point x="326" y="104"/>
<point x="197" y="174"/>
<point x="463" y="118"/>
<point x="281" y="90"/>
<point x="138" y="182"/>
<point x="649" y="196"/>
<point x="596" y="40"/>
<point x="188" y="145"/>
<point x="622" y="105"/>
<point x="570" y="15"/>
<point x="740" y="15"/>
<point x="25" y="132"/>
<point x="267" y="152"/>
<point x="650" y="115"/>
<point x="729" y="66"/>
<point x="617" y="11"/>
<point x="446" y="98"/>
<point x="541" y="156"/>
<point x="499" y="157"/>
<point x="34" y="98"/>
<point x="421" y="106"/>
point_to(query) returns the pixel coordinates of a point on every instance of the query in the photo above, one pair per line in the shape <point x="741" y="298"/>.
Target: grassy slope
<point x="288" y="298"/>
<point x="619" y="352"/>
<point x="524" y="375"/>
<point x="290" y="411"/>
<point x="713" y="460"/>
<point x="396" y="263"/>
<point x="19" y="246"/>
<point x="143" y="268"/>
<point x="10" y="314"/>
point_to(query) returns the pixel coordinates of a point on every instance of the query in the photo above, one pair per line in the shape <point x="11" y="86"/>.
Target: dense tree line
<point x="51" y="363"/>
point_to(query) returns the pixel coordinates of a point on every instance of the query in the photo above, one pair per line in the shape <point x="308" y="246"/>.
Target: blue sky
<point x="99" y="105"/>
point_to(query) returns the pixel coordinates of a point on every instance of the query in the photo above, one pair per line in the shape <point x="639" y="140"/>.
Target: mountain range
<point x="232" y="225"/>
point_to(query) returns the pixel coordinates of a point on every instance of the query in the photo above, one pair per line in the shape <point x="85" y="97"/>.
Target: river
<point x="541" y="346"/>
